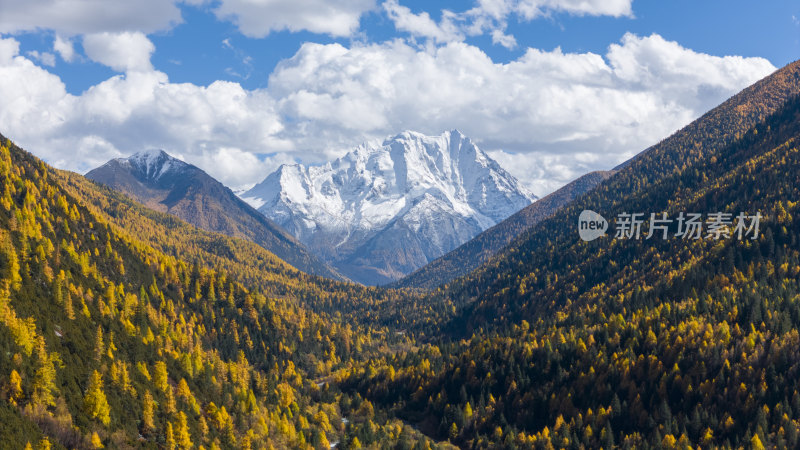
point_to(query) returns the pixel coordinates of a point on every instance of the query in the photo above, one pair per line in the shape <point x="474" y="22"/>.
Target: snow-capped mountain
<point x="155" y="163"/>
<point x="170" y="185"/>
<point x="387" y="208"/>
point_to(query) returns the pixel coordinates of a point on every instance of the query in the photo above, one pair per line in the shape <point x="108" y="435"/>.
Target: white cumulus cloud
<point x="546" y="106"/>
<point x="254" y="18"/>
<point x="74" y="17"/>
<point x="534" y="8"/>
<point x="46" y="58"/>
<point x="64" y="48"/>
<point x="506" y="40"/>
<point x="547" y="116"/>
<point x="123" y="52"/>
<point x="212" y="126"/>
<point x="421" y="24"/>
<point x="261" y="17"/>
<point x="491" y="17"/>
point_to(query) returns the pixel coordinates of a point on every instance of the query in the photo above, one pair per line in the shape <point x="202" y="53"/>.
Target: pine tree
<point x="607" y="437"/>
<point x="169" y="401"/>
<point x="160" y="376"/>
<point x="202" y="426"/>
<point x="15" y="387"/>
<point x="182" y="436"/>
<point x="148" y="411"/>
<point x="44" y="384"/>
<point x="170" y="438"/>
<point x="10" y="265"/>
<point x="99" y="345"/>
<point x="95" y="401"/>
<point x="755" y="443"/>
<point x="69" y="310"/>
<point x="468" y="411"/>
<point x="44" y="444"/>
<point x="453" y="432"/>
<point x="96" y="442"/>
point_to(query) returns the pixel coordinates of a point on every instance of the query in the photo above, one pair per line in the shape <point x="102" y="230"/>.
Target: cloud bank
<point x="548" y="116"/>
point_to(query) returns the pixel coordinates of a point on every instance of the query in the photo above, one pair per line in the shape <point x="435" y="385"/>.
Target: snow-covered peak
<point x="154" y="163"/>
<point x="392" y="173"/>
<point x="408" y="180"/>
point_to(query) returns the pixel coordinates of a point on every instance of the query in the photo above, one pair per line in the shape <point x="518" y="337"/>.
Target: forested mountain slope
<point x="515" y="277"/>
<point x="108" y="341"/>
<point x="626" y="342"/>
<point x="253" y="265"/>
<point x="712" y="131"/>
<point x="170" y="185"/>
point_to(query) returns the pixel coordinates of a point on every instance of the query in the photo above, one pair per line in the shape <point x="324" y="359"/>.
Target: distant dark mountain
<point x="170" y="185"/>
<point x="478" y="250"/>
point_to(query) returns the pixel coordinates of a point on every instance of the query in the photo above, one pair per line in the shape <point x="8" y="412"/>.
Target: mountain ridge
<point x="703" y="138"/>
<point x="636" y="343"/>
<point x="126" y="327"/>
<point x="482" y="247"/>
<point x="431" y="193"/>
<point x="167" y="184"/>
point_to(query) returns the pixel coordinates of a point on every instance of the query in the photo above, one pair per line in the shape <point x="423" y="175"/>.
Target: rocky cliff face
<point x="385" y="209"/>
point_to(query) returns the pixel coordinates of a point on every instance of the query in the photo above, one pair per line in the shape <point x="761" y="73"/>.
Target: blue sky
<point x="551" y="88"/>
